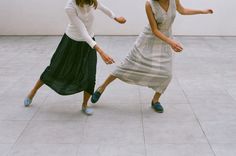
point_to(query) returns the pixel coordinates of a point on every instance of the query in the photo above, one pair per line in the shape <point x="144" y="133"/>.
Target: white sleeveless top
<point x="149" y="62"/>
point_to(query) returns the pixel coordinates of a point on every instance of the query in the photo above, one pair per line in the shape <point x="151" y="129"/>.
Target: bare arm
<point x="186" y="11"/>
<point x="152" y="21"/>
<point x="153" y="24"/>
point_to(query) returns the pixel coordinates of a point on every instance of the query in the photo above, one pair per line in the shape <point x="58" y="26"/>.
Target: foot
<point x="157" y="107"/>
<point x="27" y="101"/>
<point x="87" y="111"/>
<point x="96" y="95"/>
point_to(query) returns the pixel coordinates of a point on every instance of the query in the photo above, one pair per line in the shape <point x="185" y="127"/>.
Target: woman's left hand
<point x="208" y="11"/>
<point x="120" y="20"/>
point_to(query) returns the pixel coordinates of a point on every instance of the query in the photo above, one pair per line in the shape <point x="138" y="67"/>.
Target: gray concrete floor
<point x="200" y="104"/>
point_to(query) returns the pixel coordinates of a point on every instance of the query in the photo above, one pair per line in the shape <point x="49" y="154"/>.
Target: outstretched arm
<point x="110" y="14"/>
<point x="187" y="11"/>
<point x="73" y="17"/>
<point x="152" y="21"/>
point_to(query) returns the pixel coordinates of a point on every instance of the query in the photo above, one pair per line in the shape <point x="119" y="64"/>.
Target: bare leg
<point x="156" y="97"/>
<point x="35" y="89"/>
<point x="156" y="104"/>
<point x="85" y="109"/>
<point x="110" y="79"/>
<point x="86" y="98"/>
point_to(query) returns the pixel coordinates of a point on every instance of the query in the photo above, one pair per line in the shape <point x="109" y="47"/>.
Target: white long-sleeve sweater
<point x="81" y="20"/>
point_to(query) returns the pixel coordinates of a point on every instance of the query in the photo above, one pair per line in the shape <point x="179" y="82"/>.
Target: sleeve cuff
<point x="92" y="44"/>
<point x="113" y="16"/>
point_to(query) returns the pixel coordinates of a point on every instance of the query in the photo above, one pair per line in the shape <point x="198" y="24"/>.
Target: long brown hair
<point x="81" y="3"/>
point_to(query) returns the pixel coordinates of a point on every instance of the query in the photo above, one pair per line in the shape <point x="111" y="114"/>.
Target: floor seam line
<point x="141" y="109"/>
<point x="27" y="125"/>
<point x="198" y="121"/>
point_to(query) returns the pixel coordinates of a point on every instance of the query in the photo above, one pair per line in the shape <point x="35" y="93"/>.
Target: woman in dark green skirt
<point x="73" y="66"/>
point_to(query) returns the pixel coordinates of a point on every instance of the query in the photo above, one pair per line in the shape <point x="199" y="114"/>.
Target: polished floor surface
<point x="200" y="104"/>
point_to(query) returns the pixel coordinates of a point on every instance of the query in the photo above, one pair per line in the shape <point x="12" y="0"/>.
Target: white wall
<point x="47" y="17"/>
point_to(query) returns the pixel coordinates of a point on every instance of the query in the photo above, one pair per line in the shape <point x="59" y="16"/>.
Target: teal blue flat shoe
<point x="27" y="102"/>
<point x="158" y="107"/>
<point x="87" y="111"/>
<point x="96" y="96"/>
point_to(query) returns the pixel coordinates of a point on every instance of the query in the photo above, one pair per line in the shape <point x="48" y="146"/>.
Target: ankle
<point x="101" y="88"/>
<point x="84" y="105"/>
<point x="155" y="101"/>
<point x="32" y="94"/>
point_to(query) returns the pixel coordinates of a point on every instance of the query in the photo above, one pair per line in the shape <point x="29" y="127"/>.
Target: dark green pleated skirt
<point x="72" y="68"/>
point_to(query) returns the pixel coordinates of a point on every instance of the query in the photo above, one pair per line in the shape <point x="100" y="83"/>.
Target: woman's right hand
<point x="106" y="58"/>
<point x="176" y="46"/>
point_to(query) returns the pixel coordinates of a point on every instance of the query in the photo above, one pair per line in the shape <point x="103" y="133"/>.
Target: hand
<point x="208" y="11"/>
<point x="176" y="46"/>
<point x="106" y="58"/>
<point x="120" y="20"/>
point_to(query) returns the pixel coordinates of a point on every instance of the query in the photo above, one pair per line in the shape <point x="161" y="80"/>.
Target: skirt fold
<point x="72" y="68"/>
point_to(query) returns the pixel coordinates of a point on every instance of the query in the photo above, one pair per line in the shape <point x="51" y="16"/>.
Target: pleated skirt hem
<point x="72" y="68"/>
